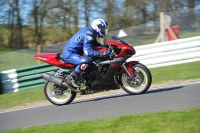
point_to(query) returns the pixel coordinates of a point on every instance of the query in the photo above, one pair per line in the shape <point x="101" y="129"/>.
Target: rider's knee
<point x="84" y="66"/>
<point x="85" y="60"/>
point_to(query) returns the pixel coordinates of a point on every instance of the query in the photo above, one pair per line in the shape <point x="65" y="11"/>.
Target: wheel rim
<point x="54" y="95"/>
<point x="137" y="83"/>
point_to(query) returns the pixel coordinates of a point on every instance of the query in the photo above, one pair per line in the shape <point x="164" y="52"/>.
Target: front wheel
<point x="58" y="95"/>
<point x="138" y="84"/>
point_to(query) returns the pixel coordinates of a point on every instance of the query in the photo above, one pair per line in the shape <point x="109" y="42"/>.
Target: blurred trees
<point x="36" y="22"/>
<point x="39" y="12"/>
<point x="11" y="17"/>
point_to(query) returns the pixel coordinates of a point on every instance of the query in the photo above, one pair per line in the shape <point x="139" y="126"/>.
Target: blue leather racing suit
<point x="81" y="43"/>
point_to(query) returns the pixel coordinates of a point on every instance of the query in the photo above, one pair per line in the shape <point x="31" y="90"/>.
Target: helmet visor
<point x="104" y="31"/>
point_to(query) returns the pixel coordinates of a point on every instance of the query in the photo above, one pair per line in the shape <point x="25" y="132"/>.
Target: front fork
<point x="130" y="74"/>
<point x="128" y="68"/>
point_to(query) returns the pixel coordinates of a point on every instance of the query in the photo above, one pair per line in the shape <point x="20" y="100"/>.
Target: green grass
<point x="22" y="97"/>
<point x="176" y="72"/>
<point x="13" y="59"/>
<point x="184" y="121"/>
<point x="4" y="50"/>
<point x="189" y="33"/>
<point x="149" y="39"/>
<point x="162" y="74"/>
<point x="17" y="59"/>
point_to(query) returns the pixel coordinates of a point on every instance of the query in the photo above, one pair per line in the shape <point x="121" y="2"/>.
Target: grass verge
<point x="184" y="121"/>
<point x="176" y="72"/>
<point x="162" y="74"/>
<point x="21" y="98"/>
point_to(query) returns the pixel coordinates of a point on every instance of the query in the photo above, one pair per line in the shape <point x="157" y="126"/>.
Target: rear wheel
<point x="138" y="84"/>
<point x="58" y="95"/>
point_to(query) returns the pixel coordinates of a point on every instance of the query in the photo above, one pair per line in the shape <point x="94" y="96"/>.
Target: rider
<point x="82" y="43"/>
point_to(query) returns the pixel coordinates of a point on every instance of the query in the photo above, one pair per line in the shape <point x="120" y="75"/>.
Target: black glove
<point x="105" y="54"/>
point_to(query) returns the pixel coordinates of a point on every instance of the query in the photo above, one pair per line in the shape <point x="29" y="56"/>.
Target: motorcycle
<point x="103" y="74"/>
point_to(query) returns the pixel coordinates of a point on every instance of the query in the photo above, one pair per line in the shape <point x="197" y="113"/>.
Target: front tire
<point x="138" y="84"/>
<point x="58" y="95"/>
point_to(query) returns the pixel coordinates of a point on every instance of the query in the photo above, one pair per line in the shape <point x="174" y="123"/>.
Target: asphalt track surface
<point x="158" y="99"/>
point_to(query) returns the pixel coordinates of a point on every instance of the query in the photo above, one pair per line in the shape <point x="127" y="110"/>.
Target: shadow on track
<point x="164" y="89"/>
<point x="159" y="90"/>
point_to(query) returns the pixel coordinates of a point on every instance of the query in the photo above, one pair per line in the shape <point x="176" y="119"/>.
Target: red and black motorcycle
<point x="103" y="74"/>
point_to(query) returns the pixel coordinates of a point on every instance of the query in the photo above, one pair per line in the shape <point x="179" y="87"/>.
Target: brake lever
<point x="113" y="54"/>
<point x="110" y="48"/>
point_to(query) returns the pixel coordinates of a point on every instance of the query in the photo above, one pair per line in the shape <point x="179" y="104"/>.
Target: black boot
<point x="72" y="80"/>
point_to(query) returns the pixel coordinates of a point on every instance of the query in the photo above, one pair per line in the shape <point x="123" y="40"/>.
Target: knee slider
<point x="84" y="66"/>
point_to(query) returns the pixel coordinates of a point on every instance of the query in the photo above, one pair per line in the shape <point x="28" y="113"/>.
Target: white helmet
<point x="100" y="26"/>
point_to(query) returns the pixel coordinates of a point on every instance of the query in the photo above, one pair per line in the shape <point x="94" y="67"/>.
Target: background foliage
<point x="28" y="23"/>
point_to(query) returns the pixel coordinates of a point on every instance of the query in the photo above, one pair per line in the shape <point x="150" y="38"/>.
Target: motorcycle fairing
<point x="125" y="51"/>
<point x="107" y="81"/>
<point x="53" y="59"/>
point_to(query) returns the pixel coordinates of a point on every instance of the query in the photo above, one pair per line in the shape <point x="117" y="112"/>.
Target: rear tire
<point x="138" y="84"/>
<point x="58" y="95"/>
